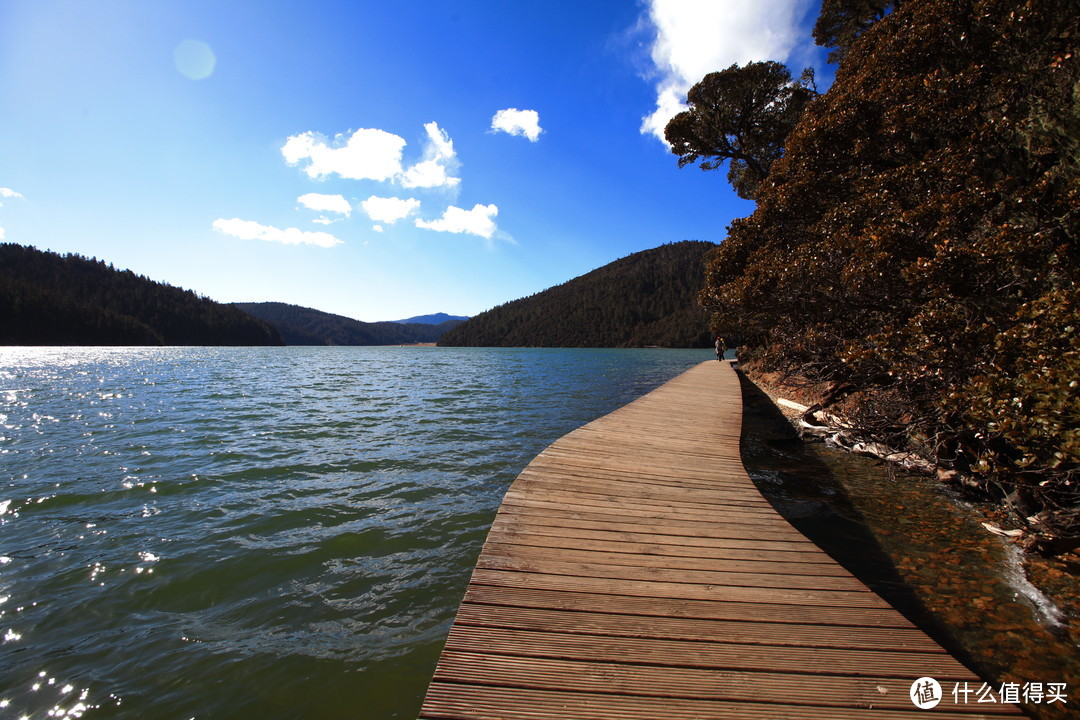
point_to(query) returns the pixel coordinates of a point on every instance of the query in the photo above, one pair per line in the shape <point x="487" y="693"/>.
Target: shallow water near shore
<point x="262" y="533"/>
<point x="922" y="548"/>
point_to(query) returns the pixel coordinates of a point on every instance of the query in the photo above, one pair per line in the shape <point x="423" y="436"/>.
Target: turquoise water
<point x="262" y="533"/>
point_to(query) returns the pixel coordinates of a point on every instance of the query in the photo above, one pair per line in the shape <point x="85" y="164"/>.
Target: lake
<point x="262" y="532"/>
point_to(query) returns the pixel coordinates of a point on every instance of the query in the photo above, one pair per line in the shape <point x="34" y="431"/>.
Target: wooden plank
<point x="600" y="565"/>
<point x="651" y="534"/>
<point x="822" y="691"/>
<point x="633" y="570"/>
<point x="593" y="499"/>
<point x="583" y="619"/>
<point x="709" y="609"/>
<point x="638" y="555"/>
<point x="706" y="653"/>
<point x="691" y="473"/>
<point x="619" y="503"/>
<point x="672" y="521"/>
<point x="454" y="701"/>
<point x="615" y="483"/>
<point x="585" y="499"/>
<point x="681" y="590"/>
<point x="616" y="543"/>
<point x="728" y="531"/>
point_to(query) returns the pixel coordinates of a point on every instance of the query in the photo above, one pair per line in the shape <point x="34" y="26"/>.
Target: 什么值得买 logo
<point x="925" y="693"/>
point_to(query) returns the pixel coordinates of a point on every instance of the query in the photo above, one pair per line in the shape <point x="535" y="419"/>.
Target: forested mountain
<point x="305" y="326"/>
<point x="645" y="299"/>
<point x="49" y="299"/>
<point x="915" y="249"/>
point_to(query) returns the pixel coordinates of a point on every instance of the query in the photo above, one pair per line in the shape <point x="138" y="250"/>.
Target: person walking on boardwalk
<point x="721" y="348"/>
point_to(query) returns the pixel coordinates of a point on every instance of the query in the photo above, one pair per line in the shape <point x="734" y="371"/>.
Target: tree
<point x="841" y="22"/>
<point x="916" y="250"/>
<point x="741" y="115"/>
<point x="49" y="299"/>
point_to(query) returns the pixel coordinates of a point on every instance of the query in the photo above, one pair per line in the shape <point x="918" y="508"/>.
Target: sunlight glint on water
<point x="262" y="533"/>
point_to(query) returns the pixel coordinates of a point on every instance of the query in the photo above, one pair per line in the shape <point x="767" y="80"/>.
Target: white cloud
<point x="326" y="203"/>
<point x="372" y="154"/>
<point x="368" y="154"/>
<point x="250" y="230"/>
<point x="438" y="163"/>
<point x="525" y="123"/>
<point x="696" y="37"/>
<point x="479" y="221"/>
<point x="389" y="209"/>
<point x="9" y="193"/>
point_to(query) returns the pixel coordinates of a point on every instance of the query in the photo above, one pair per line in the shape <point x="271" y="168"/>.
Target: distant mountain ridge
<point x="307" y="326"/>
<point x="649" y="298"/>
<point x="433" y="319"/>
<point x="52" y="299"/>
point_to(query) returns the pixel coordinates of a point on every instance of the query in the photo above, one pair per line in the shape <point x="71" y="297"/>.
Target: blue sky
<point x="373" y="159"/>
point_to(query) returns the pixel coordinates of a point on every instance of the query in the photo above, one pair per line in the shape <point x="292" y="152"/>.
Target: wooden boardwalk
<point x="634" y="571"/>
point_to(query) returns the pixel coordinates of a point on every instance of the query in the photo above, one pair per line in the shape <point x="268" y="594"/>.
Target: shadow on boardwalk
<point x="803" y="490"/>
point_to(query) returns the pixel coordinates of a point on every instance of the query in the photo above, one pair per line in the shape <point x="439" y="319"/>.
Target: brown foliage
<point x="841" y="22"/>
<point x="919" y="237"/>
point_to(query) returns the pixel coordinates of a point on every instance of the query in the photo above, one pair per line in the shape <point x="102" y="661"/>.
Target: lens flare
<point x="194" y="59"/>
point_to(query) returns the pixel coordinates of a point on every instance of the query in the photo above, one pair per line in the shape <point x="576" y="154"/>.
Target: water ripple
<point x="262" y="533"/>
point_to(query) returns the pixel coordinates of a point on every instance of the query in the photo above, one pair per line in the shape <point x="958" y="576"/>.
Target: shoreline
<point x="1058" y="578"/>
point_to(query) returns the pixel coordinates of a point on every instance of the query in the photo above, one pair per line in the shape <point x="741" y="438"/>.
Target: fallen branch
<point x="834" y="430"/>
